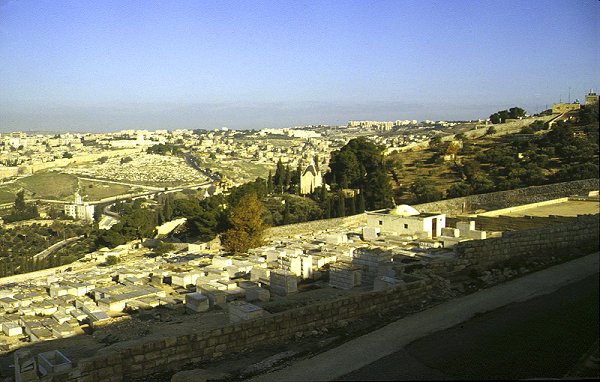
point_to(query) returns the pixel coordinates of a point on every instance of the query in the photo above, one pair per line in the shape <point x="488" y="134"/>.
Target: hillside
<point x="517" y="154"/>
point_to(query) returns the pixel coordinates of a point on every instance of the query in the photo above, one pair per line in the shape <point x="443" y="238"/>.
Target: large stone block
<point x="197" y="302"/>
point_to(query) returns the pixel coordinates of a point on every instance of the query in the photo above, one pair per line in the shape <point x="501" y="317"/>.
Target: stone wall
<point x="145" y="357"/>
<point x="316" y="225"/>
<point x="506" y="199"/>
<point x="456" y="206"/>
<point x="535" y="244"/>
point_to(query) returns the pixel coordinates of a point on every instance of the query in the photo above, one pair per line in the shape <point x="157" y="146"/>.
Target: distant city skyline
<point x="107" y="66"/>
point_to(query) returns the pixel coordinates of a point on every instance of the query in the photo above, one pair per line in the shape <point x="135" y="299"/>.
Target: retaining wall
<point x="316" y="225"/>
<point x="457" y="206"/>
<point x="145" y="357"/>
<point x="533" y="244"/>
<point x="506" y="199"/>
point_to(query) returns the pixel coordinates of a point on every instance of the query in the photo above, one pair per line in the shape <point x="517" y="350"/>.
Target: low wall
<point x="510" y="210"/>
<point x="530" y="244"/>
<point x="145" y="357"/>
<point x="316" y="225"/>
<point x="512" y="223"/>
<point x="506" y="199"/>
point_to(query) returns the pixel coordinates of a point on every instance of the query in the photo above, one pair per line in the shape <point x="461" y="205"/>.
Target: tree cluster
<point x="18" y="246"/>
<point x="21" y="210"/>
<point x="569" y="151"/>
<point x="339" y="204"/>
<point x="164" y="149"/>
<point x="285" y="179"/>
<point x="136" y="222"/>
<point x="512" y="113"/>
<point x="359" y="165"/>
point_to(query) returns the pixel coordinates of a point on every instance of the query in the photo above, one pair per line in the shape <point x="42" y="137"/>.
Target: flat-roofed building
<point x="559" y="108"/>
<point x="405" y="220"/>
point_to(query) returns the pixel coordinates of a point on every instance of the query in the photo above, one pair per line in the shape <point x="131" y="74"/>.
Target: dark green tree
<point x="351" y="206"/>
<point x="270" y="183"/>
<point x="359" y="165"/>
<point x="279" y="176"/>
<point x="287" y="178"/>
<point x="360" y="204"/>
<point x="20" y="204"/>
<point x="168" y="206"/>
<point x="425" y="191"/>
<point x="458" y="190"/>
<point x="341" y="205"/>
<point x="516" y="112"/>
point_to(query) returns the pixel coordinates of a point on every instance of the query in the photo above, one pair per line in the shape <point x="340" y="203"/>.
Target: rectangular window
<point x="381" y="222"/>
<point x="406" y="226"/>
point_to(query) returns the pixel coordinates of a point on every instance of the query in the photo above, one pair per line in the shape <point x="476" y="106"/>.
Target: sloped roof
<point x="311" y="168"/>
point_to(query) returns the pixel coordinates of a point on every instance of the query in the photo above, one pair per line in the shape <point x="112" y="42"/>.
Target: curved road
<point x="54" y="247"/>
<point x="362" y="351"/>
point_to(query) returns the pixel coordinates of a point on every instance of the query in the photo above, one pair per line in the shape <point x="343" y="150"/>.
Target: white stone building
<point x="405" y="220"/>
<point x="310" y="180"/>
<point x="80" y="210"/>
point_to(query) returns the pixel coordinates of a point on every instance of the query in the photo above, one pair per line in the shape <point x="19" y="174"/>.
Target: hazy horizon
<point x="107" y="66"/>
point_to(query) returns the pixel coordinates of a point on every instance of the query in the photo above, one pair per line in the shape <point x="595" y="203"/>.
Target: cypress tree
<point x="279" y="174"/>
<point x="287" y="179"/>
<point x="352" y="206"/>
<point x="270" y="184"/>
<point x="360" y="205"/>
<point x="341" y="205"/>
<point x="328" y="212"/>
<point x="286" y="213"/>
<point x="323" y="195"/>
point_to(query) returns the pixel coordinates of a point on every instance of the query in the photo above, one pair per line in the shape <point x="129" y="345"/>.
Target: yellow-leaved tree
<point x="248" y="225"/>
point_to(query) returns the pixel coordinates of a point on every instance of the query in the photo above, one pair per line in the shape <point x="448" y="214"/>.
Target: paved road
<point x="54" y="247"/>
<point x="428" y="358"/>
<point x="392" y="338"/>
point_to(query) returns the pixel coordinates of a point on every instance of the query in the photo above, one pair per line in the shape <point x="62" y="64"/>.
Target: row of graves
<point x="63" y="305"/>
<point x="347" y="260"/>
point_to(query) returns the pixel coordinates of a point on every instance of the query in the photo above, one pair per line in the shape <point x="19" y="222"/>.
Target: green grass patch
<point x="6" y="196"/>
<point x="49" y="185"/>
<point x="99" y="190"/>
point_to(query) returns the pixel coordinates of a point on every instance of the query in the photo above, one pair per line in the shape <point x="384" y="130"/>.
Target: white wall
<point x="406" y="225"/>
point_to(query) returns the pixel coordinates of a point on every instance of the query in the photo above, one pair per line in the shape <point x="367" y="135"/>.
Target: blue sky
<point x="111" y="65"/>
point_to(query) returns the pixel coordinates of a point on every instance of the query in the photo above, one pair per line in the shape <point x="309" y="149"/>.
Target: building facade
<point x="559" y="108"/>
<point x="80" y="210"/>
<point x="310" y="180"/>
<point x="591" y="98"/>
<point x="405" y="220"/>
